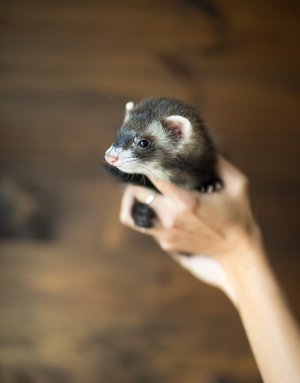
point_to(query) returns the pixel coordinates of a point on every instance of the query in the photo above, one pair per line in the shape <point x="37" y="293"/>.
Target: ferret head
<point x="154" y="134"/>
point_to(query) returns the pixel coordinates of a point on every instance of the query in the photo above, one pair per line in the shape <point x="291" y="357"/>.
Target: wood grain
<point x="82" y="298"/>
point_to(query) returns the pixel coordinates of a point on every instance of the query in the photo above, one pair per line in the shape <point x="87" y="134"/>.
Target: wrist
<point x="244" y="266"/>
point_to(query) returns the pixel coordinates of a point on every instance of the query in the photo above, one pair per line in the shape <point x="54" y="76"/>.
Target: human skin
<point x="226" y="247"/>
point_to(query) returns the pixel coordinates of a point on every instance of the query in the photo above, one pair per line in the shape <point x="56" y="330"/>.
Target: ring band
<point x="143" y="230"/>
<point x="149" y="199"/>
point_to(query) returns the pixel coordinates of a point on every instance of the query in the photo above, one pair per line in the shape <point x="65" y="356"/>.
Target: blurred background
<point x="83" y="299"/>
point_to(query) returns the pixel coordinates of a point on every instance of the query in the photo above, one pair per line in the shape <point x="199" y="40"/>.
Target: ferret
<point x="166" y="139"/>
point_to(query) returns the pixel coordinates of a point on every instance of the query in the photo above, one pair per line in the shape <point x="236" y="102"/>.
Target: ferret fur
<point x="180" y="150"/>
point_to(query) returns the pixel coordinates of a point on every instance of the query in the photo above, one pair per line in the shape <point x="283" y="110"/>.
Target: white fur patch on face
<point x="126" y="161"/>
<point x="122" y="159"/>
<point x="156" y="130"/>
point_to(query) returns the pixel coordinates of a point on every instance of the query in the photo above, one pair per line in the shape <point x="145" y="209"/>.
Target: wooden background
<point x="83" y="299"/>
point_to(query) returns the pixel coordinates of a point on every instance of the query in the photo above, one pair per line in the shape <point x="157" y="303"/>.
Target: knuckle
<point x="187" y="207"/>
<point x="240" y="186"/>
<point x="166" y="245"/>
<point x="170" y="223"/>
<point x="244" y="184"/>
<point x="169" y="241"/>
<point x="124" y="219"/>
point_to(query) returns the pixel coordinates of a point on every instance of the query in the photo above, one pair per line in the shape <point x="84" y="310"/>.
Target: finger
<point x="232" y="177"/>
<point x="126" y="205"/>
<point x="140" y="193"/>
<point x="181" y="198"/>
<point x="162" y="206"/>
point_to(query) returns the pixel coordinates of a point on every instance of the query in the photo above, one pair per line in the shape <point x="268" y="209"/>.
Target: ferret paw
<point x="211" y="187"/>
<point x="143" y="215"/>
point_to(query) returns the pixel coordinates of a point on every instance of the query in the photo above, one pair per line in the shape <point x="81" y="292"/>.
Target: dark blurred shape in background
<point x="25" y="211"/>
<point x="83" y="299"/>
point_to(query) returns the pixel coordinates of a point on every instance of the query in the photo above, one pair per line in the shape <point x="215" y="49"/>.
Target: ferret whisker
<point x="165" y="139"/>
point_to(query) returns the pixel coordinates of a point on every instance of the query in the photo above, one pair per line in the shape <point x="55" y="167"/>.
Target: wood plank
<point x="83" y="299"/>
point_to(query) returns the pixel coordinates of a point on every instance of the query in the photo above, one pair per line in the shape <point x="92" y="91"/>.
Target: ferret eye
<point x="144" y="144"/>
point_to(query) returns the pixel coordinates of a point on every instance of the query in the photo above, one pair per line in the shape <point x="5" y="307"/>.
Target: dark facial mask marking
<point x="123" y="140"/>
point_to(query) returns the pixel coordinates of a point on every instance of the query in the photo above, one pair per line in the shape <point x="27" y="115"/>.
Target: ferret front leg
<point x="143" y="215"/>
<point x="211" y="186"/>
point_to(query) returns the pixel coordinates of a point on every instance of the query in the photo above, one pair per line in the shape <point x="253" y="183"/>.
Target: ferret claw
<point x="210" y="189"/>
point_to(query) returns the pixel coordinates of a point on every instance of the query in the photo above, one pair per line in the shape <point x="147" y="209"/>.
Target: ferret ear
<point x="128" y="108"/>
<point x="180" y="127"/>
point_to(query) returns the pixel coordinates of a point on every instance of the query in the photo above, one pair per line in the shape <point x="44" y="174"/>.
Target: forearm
<point x="222" y="226"/>
<point x="270" y="326"/>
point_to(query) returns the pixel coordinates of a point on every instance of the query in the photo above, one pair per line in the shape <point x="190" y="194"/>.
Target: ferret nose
<point x="111" y="158"/>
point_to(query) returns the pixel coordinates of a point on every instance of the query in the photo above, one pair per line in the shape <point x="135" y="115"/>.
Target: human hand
<point x="218" y="229"/>
<point x="224" y="241"/>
